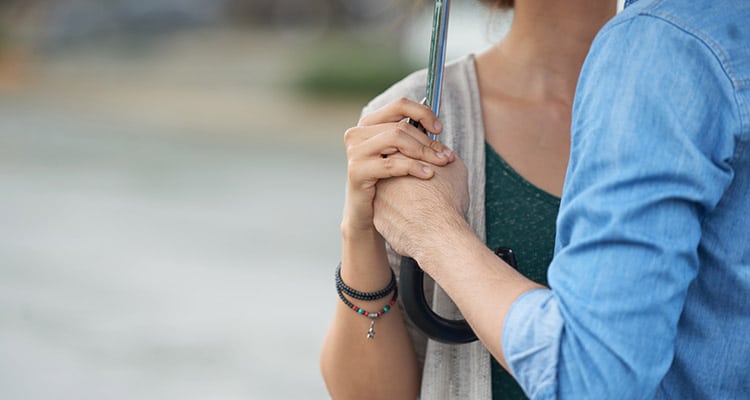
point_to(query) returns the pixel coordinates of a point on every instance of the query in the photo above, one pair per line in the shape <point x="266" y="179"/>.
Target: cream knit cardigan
<point x="452" y="371"/>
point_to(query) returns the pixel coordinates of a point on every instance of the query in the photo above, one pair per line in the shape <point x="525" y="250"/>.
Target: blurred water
<point x="145" y="257"/>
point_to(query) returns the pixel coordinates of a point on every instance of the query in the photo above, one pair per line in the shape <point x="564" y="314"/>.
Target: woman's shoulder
<point x="458" y="78"/>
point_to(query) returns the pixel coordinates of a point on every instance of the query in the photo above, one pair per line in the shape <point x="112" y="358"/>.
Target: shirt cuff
<point x="531" y="342"/>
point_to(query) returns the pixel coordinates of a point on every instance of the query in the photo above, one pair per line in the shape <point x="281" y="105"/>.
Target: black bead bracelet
<point x="365" y="296"/>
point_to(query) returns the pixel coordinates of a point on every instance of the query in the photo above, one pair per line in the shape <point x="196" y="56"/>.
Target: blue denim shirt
<point x="650" y="283"/>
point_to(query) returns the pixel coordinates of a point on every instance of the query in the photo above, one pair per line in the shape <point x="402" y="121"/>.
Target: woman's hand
<point x="385" y="145"/>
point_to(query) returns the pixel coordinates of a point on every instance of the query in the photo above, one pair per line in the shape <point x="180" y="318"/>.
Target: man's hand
<point x="412" y="213"/>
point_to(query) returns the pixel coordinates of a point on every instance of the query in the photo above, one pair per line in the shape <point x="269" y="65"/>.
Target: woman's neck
<point x="541" y="56"/>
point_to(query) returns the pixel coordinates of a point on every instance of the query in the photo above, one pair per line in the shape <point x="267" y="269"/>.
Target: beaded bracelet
<point x="367" y="296"/>
<point x="373" y="315"/>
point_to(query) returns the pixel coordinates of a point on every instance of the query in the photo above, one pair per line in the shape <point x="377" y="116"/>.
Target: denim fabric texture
<point x="650" y="283"/>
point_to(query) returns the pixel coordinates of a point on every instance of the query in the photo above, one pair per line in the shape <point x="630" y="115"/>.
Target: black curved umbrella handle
<point x="418" y="309"/>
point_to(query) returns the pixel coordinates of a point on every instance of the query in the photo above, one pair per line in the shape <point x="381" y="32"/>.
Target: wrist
<point x="359" y="232"/>
<point x="363" y="258"/>
<point x="443" y="238"/>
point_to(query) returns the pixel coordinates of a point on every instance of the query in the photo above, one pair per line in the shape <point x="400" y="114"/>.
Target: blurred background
<point x="171" y="184"/>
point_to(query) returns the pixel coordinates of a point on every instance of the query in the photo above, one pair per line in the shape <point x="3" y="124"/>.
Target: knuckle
<point x="396" y="133"/>
<point x="389" y="164"/>
<point x="403" y="101"/>
<point x="349" y="135"/>
<point x="403" y="125"/>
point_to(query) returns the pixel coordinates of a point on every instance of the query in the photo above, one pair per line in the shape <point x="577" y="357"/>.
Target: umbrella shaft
<point x="437" y="55"/>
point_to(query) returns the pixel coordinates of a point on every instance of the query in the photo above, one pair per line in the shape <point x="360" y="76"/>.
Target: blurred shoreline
<point x="150" y="198"/>
<point x="209" y="82"/>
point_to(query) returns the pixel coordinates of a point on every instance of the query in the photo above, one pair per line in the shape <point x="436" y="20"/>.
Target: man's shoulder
<point x="718" y="26"/>
<point x="697" y="14"/>
<point x="721" y="24"/>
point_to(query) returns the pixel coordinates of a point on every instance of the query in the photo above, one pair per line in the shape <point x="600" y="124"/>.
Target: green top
<point x="521" y="216"/>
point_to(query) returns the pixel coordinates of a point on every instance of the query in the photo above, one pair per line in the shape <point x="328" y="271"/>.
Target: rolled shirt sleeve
<point x="533" y="356"/>
<point x="650" y="156"/>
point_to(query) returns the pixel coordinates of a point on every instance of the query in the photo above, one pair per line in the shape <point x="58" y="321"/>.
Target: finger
<point x="407" y="143"/>
<point x="404" y="108"/>
<point x="366" y="173"/>
<point x="392" y="137"/>
<point x="358" y="134"/>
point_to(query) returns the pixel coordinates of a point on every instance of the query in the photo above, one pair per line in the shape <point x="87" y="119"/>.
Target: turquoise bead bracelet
<point x="373" y="315"/>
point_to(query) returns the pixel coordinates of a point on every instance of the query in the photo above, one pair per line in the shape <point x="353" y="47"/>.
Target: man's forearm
<point x="482" y="285"/>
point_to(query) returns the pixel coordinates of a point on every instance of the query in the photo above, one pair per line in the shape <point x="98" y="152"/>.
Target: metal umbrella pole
<point x="411" y="275"/>
<point x="436" y="61"/>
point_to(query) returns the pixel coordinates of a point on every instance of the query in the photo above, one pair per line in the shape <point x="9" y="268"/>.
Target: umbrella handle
<point x="411" y="280"/>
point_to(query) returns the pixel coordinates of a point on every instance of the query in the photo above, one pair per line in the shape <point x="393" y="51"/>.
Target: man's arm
<point x="649" y="160"/>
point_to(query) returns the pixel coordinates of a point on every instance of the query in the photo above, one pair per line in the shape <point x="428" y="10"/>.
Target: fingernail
<point x="426" y="169"/>
<point x="438" y="125"/>
<point x="445" y="153"/>
<point x="440" y="154"/>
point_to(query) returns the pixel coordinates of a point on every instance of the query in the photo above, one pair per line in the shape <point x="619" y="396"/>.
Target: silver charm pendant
<point x="371" y="331"/>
